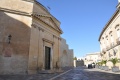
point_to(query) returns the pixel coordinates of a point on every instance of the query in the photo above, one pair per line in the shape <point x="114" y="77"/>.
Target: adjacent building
<point x="29" y="38"/>
<point x="92" y="58"/>
<point x="110" y="37"/>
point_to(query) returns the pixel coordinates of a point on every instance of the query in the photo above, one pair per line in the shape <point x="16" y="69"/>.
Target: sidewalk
<point x="109" y="71"/>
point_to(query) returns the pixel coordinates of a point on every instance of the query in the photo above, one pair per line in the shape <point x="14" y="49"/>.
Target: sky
<point x="82" y="21"/>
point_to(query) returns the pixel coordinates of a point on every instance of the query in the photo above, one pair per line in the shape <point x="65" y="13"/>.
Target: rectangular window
<point x="118" y="33"/>
<point x="111" y="39"/>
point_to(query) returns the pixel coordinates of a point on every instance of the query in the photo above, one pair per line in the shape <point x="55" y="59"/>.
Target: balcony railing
<point x="112" y="45"/>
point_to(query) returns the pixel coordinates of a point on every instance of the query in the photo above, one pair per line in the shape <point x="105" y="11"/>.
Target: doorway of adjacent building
<point x="47" y="57"/>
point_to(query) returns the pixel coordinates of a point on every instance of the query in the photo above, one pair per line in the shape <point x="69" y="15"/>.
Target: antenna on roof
<point x="48" y="7"/>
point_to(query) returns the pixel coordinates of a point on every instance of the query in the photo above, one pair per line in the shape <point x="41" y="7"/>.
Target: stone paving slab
<point x="79" y="73"/>
<point x="28" y="77"/>
<point x="33" y="77"/>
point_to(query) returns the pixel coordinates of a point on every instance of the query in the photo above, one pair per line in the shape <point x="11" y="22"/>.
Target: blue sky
<point x="82" y="21"/>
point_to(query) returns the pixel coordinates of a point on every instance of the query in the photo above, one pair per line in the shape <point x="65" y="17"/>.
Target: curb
<point x="109" y="71"/>
<point x="60" y="74"/>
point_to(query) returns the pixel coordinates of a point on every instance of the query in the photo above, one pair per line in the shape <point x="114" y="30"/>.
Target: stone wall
<point x="66" y="54"/>
<point x="71" y="55"/>
<point x="79" y="63"/>
<point x="14" y="55"/>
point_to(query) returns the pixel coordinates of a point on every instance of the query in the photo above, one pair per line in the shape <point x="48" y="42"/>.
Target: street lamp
<point x="9" y="38"/>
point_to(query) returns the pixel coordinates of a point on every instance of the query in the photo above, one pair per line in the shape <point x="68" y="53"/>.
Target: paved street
<point x="81" y="73"/>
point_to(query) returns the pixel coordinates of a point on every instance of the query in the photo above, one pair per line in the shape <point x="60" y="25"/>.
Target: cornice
<point x="106" y="26"/>
<point x="118" y="5"/>
<point x="15" y="11"/>
<point x="46" y="40"/>
<point x="42" y="6"/>
<point x="29" y="0"/>
<point x="39" y="28"/>
<point x="34" y="25"/>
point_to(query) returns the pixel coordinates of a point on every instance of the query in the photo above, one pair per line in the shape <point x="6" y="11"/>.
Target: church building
<point x="29" y="38"/>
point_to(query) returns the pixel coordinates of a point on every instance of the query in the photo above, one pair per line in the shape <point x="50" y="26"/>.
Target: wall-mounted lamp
<point x="9" y="38"/>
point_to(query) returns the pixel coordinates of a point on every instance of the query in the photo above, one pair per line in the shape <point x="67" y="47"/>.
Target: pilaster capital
<point x="37" y="27"/>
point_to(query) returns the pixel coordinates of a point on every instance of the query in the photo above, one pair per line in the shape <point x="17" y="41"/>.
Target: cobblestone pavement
<point x="82" y="73"/>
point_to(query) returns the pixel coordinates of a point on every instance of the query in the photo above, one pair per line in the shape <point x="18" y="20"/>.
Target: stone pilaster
<point x="34" y="63"/>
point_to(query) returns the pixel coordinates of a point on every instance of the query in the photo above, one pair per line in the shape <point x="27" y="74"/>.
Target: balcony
<point x="112" y="45"/>
<point x="118" y="41"/>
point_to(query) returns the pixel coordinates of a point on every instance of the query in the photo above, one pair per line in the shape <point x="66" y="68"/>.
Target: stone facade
<point x="29" y="37"/>
<point x="110" y="38"/>
<point x="66" y="54"/>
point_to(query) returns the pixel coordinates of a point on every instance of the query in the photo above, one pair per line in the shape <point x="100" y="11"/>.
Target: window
<point x="118" y="32"/>
<point x="111" y="38"/>
<point x="117" y="29"/>
<point x="107" y="40"/>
